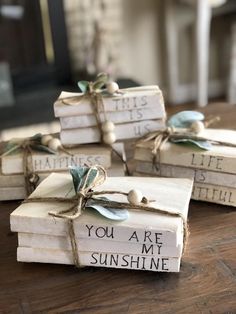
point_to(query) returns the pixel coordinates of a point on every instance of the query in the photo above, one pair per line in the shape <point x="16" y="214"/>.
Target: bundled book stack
<point x="41" y="164"/>
<point x="145" y="240"/>
<point x="213" y="171"/>
<point x="134" y="112"/>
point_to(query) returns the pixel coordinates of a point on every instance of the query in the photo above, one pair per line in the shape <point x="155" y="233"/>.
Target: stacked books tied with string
<point x="108" y="114"/>
<point x="26" y="162"/>
<point x="187" y="148"/>
<point x="88" y="219"/>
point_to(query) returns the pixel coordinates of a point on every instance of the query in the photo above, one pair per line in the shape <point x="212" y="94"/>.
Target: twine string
<point x="160" y="137"/>
<point x="78" y="203"/>
<point x="30" y="178"/>
<point x="98" y="108"/>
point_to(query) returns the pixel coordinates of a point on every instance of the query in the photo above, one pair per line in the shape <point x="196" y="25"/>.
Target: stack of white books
<point x="135" y="112"/>
<point x="41" y="164"/>
<point x="213" y="171"/>
<point x="145" y="240"/>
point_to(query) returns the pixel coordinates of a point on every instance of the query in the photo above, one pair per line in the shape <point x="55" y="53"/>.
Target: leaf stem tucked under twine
<point x="160" y="137"/>
<point x="78" y="203"/>
<point x="95" y="96"/>
<point x="30" y="178"/>
<point x="27" y="146"/>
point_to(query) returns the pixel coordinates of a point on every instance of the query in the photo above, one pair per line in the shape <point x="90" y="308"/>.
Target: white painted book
<point x="100" y="259"/>
<point x="34" y="218"/>
<point x="45" y="162"/>
<point x="141" y="227"/>
<point x="132" y="98"/>
<point x="122" y="132"/>
<point x="213" y="193"/>
<point x="117" y="117"/>
<point x="44" y="241"/>
<point x="219" y="158"/>
<point x="199" y="175"/>
<point x="12" y="186"/>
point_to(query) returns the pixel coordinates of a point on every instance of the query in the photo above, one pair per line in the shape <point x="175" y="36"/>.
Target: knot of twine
<point x="85" y="193"/>
<point x="96" y="98"/>
<point x="160" y="137"/>
<point x="31" y="179"/>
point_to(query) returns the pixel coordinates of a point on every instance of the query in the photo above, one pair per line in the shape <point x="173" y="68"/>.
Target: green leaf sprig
<point x="33" y="142"/>
<point x="79" y="176"/>
<point x="97" y="85"/>
<point x="183" y="120"/>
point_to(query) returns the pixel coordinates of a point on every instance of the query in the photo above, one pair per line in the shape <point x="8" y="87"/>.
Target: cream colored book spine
<point x="141" y="226"/>
<point x="7" y="181"/>
<point x="218" y="159"/>
<point x="214" y="194"/>
<point x="43" y="162"/>
<point x="118" y="117"/>
<point x="12" y="193"/>
<point x="133" y="98"/>
<point x="122" y="131"/>
<point x="217" y="194"/>
<point x="100" y="259"/>
<point x="98" y="245"/>
<point x="199" y="175"/>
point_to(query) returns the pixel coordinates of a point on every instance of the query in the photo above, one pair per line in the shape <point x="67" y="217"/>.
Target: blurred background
<point x="187" y="47"/>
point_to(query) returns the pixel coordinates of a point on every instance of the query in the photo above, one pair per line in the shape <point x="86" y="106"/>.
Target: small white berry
<point x="45" y="139"/>
<point x="112" y="87"/>
<point x="54" y="144"/>
<point x="197" y="127"/>
<point x="135" y="197"/>
<point x="109" y="138"/>
<point x="108" y="126"/>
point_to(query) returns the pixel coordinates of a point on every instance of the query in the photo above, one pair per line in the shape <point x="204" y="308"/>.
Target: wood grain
<point x="206" y="283"/>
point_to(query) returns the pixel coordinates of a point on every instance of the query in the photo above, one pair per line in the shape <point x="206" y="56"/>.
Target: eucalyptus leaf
<point x="11" y="147"/>
<point x="205" y="145"/>
<point x="98" y="85"/>
<point x="83" y="85"/>
<point x="184" y="119"/>
<point x="110" y="213"/>
<point x="79" y="174"/>
<point x="105" y="93"/>
<point x="37" y="137"/>
<point x="102" y="77"/>
<point x="101" y="80"/>
<point x="42" y="148"/>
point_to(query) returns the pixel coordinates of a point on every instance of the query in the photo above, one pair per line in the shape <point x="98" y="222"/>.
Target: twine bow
<point x="93" y="92"/>
<point x="26" y="145"/>
<point x="180" y="135"/>
<point x="85" y="192"/>
<point x="96" y="99"/>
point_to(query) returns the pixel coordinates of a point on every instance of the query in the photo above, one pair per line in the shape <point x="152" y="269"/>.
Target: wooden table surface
<point x="206" y="283"/>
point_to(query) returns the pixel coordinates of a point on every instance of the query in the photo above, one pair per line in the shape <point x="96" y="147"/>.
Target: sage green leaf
<point x="37" y="137"/>
<point x="102" y="77"/>
<point x="42" y="148"/>
<point x="79" y="175"/>
<point x="100" y="81"/>
<point x="184" y="119"/>
<point x="98" y="85"/>
<point x="110" y="213"/>
<point x="11" y="147"/>
<point x="205" y="145"/>
<point x="83" y="85"/>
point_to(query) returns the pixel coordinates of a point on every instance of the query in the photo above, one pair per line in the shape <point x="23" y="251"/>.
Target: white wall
<point x="141" y="50"/>
<point x="141" y="41"/>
